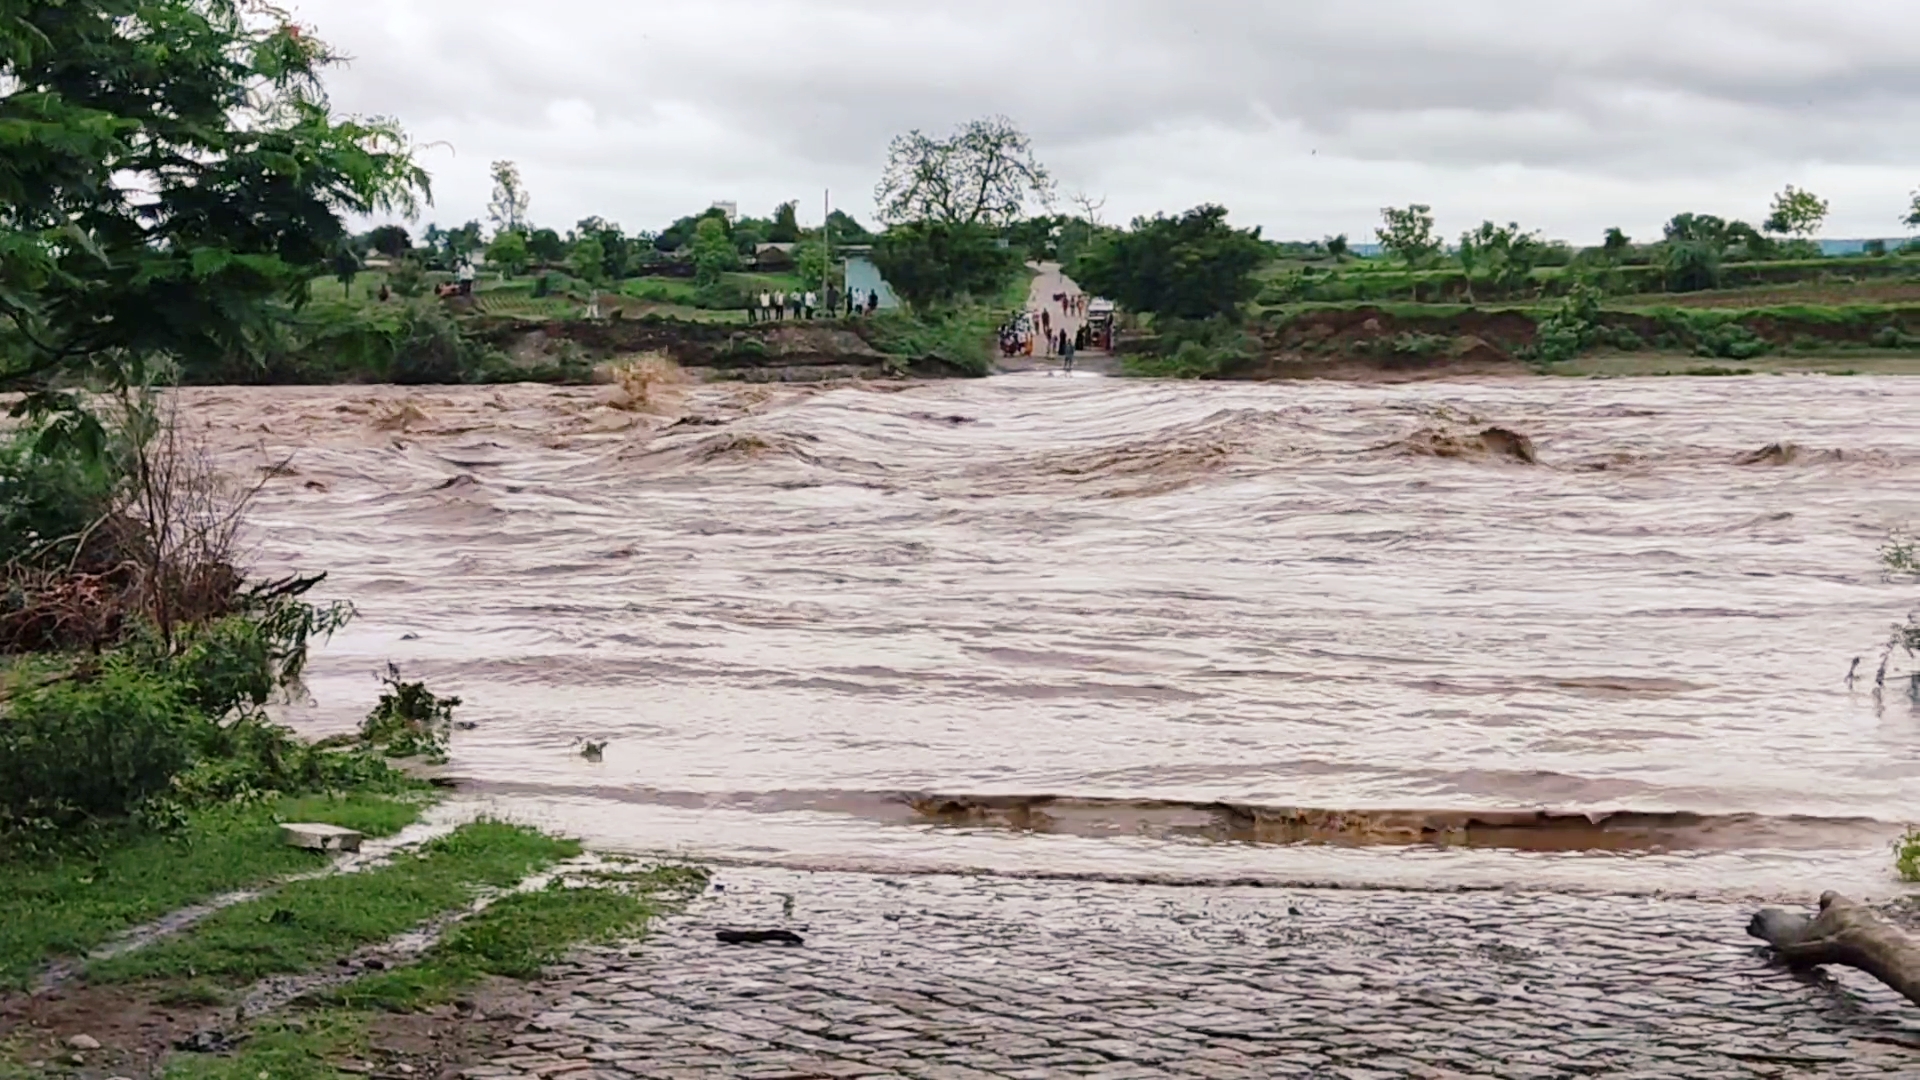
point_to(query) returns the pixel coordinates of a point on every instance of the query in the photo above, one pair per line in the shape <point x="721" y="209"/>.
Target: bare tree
<point x="186" y="516"/>
<point x="508" y="207"/>
<point x="983" y="174"/>
<point x="1089" y="207"/>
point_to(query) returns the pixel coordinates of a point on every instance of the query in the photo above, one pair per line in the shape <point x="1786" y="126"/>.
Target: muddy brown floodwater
<point x="1296" y="633"/>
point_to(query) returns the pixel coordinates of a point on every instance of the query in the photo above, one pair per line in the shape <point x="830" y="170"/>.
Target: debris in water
<point x="759" y="937"/>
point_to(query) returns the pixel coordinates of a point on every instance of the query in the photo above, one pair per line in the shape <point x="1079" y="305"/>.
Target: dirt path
<point x="1050" y="283"/>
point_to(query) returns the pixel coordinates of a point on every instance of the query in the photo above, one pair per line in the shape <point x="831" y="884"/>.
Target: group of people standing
<point x="1033" y="333"/>
<point x="770" y="306"/>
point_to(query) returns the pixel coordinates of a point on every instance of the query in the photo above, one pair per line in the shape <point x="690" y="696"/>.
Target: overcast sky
<point x="1302" y="116"/>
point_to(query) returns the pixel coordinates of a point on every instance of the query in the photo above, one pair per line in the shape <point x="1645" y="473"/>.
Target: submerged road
<point x="964" y="978"/>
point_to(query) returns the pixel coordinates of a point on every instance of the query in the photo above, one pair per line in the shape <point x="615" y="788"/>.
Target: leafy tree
<point x="1690" y="265"/>
<point x="846" y="230"/>
<point x="508" y="251"/>
<point x="616" y="249"/>
<point x="984" y="173"/>
<point x="680" y="234"/>
<point x="1796" y="213"/>
<point x="1507" y="254"/>
<point x="508" y="207"/>
<point x="749" y="233"/>
<point x="545" y="246"/>
<point x="588" y="261"/>
<point x="1699" y="229"/>
<point x="391" y="241"/>
<point x="461" y="242"/>
<point x="930" y="263"/>
<point x="1337" y="247"/>
<point x="171" y="176"/>
<point x="713" y="252"/>
<point x="1912" y="220"/>
<point x="1408" y="233"/>
<point x="1616" y="244"/>
<point x="1038" y="238"/>
<point x="786" y="224"/>
<point x="1194" y="266"/>
<point x="810" y="262"/>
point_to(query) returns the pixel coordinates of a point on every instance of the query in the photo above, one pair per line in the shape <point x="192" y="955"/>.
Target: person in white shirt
<point x="465" y="277"/>
<point x="808" y="302"/>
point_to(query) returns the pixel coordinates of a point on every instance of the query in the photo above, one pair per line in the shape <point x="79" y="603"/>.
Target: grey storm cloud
<point x="1302" y="116"/>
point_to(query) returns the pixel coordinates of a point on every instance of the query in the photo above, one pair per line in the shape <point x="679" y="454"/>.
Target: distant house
<point x="773" y="256"/>
<point x="863" y="277"/>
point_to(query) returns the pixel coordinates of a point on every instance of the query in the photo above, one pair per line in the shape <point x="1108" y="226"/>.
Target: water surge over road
<point x="1294" y="633"/>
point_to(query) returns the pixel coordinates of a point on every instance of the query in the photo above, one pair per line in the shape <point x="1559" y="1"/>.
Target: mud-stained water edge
<point x="1305" y="633"/>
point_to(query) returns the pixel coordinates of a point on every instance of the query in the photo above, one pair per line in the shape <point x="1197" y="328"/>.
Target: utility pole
<point x="826" y="231"/>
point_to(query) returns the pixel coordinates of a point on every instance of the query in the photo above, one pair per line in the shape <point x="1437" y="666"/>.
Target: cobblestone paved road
<point x="952" y="978"/>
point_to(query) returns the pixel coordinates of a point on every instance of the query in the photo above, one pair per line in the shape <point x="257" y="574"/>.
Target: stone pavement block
<point x="999" y="978"/>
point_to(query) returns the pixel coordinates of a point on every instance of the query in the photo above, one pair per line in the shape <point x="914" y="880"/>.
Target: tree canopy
<point x="1408" y="233"/>
<point x="929" y="263"/>
<point x="982" y="174"/>
<point x="390" y="240"/>
<point x="786" y="224"/>
<point x="508" y="207"/>
<point x="713" y="252"/>
<point x="508" y="251"/>
<point x="1796" y="213"/>
<point x="1505" y="253"/>
<point x="173" y="175"/>
<point x="1195" y="266"/>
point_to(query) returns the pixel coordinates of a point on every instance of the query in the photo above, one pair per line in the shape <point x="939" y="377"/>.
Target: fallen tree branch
<point x="1847" y="934"/>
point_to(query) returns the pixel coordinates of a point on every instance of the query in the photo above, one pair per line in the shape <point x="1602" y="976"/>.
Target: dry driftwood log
<point x="1847" y="934"/>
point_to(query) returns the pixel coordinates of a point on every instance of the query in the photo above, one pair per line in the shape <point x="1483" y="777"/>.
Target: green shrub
<point x="51" y="490"/>
<point x="407" y="278"/>
<point x="1907" y="855"/>
<point x="1729" y="341"/>
<point x="1893" y="337"/>
<point x="1568" y="330"/>
<point x="1624" y="339"/>
<point x="409" y="720"/>
<point x="962" y="337"/>
<point x="1194" y="349"/>
<point x="76" y="749"/>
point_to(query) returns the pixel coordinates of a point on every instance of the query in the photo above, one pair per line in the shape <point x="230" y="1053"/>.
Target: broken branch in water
<point x="1844" y="933"/>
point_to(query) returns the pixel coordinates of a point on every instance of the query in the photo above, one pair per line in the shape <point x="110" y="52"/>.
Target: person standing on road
<point x="1066" y="352"/>
<point x="465" y="276"/>
<point x="873" y="301"/>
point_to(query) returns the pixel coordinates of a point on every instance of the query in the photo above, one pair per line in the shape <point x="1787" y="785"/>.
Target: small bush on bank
<point x="961" y="337"/>
<point x="1193" y="349"/>
<point x="409" y="720"/>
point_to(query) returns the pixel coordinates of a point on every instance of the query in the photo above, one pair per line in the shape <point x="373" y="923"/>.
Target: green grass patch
<point x="308" y="923"/>
<point x="294" y="1048"/>
<point x="514" y="938"/>
<point x="74" y="903"/>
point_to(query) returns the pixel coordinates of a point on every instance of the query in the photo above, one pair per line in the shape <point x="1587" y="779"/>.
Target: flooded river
<point x="1296" y="633"/>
